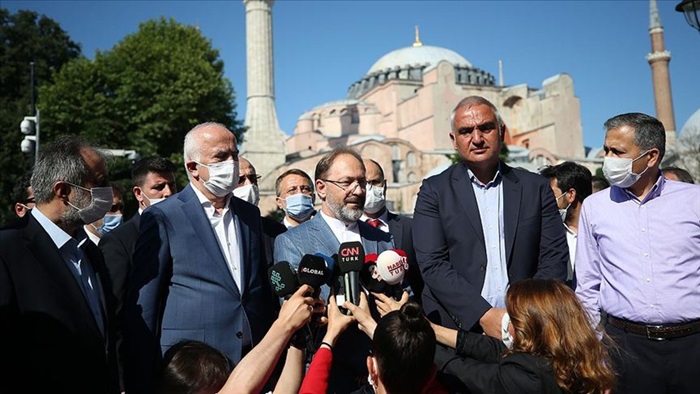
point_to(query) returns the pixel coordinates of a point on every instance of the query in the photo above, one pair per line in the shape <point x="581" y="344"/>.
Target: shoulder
<point x="372" y="233"/>
<point x="445" y="176"/>
<point x="272" y="227"/>
<point x="516" y="174"/>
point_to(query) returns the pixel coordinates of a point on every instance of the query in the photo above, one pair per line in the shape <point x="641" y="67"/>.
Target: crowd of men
<point x="90" y="303"/>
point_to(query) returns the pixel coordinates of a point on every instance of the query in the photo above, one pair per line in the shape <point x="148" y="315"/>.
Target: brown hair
<point x="550" y="322"/>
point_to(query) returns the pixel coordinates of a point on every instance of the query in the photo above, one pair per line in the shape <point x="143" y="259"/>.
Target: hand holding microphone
<point x="296" y="311"/>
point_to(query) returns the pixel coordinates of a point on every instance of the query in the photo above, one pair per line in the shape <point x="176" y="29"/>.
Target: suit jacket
<point x="449" y="241"/>
<point x="49" y="340"/>
<point x="271" y="229"/>
<point x="349" y="370"/>
<point x="401" y="229"/>
<point x="478" y="366"/>
<point x="181" y="287"/>
<point x="117" y="248"/>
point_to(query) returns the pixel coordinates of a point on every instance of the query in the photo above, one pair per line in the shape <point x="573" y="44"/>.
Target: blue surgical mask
<point x="109" y="223"/>
<point x="299" y="206"/>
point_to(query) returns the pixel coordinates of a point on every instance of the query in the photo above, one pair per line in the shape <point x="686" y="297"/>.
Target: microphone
<point x="283" y="279"/>
<point x="369" y="276"/>
<point x="391" y="266"/>
<point x="330" y="266"/>
<point x="312" y="272"/>
<point x="351" y="257"/>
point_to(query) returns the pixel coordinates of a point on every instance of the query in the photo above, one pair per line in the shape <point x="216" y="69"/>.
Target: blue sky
<point x="322" y="47"/>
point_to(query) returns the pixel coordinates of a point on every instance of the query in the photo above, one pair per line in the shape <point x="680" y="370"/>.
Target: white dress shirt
<point x="343" y="232"/>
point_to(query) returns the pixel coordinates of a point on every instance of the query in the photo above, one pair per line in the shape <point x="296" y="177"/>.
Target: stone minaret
<point x="263" y="142"/>
<point x="659" y="59"/>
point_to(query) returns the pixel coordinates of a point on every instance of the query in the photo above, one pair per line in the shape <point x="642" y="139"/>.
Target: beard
<point x="342" y="212"/>
<point x="71" y="217"/>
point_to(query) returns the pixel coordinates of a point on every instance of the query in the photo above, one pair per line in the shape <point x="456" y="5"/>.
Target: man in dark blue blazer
<point x="340" y="185"/>
<point x="481" y="225"/>
<point x="199" y="271"/>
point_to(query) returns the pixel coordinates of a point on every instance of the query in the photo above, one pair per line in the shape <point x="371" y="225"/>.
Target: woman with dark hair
<point x="193" y="367"/>
<point x="555" y="349"/>
<point x="403" y="350"/>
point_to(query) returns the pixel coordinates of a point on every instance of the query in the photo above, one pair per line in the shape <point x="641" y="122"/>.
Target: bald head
<point x="247" y="173"/>
<point x="374" y="171"/>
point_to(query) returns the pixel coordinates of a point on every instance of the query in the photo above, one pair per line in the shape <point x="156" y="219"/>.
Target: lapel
<point x="395" y="228"/>
<point x="370" y="245"/>
<point x="90" y="250"/>
<point x="322" y="233"/>
<point x="462" y="186"/>
<point x="193" y="210"/>
<point x="512" y="193"/>
<point x="44" y="251"/>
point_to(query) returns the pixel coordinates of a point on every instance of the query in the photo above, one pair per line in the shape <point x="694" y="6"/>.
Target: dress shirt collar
<point x="384" y="217"/>
<point x="493" y="182"/>
<point x="653" y="193"/>
<point x="341" y="229"/>
<point x="57" y="235"/>
<point x="207" y="205"/>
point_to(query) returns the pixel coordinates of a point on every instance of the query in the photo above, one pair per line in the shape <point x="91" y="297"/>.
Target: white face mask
<point x="223" y="177"/>
<point x="100" y="203"/>
<point x="151" y="201"/>
<point x="562" y="212"/>
<point x="618" y="171"/>
<point x="374" y="199"/>
<point x="249" y="193"/>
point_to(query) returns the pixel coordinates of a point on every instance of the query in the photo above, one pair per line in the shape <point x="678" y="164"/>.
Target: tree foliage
<point x="24" y="37"/>
<point x="143" y="94"/>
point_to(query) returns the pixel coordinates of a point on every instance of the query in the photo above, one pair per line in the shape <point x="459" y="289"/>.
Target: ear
<point x="18" y="209"/>
<point x="61" y="190"/>
<point x="321" y="189"/>
<point x="502" y="132"/>
<point x="372" y="368"/>
<point x="571" y="196"/>
<point x="192" y="169"/>
<point x="137" y="194"/>
<point x="454" y="142"/>
<point x="654" y="160"/>
<point x="280" y="203"/>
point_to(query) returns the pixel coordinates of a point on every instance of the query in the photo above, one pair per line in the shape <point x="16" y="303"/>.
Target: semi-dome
<point x="692" y="125"/>
<point x="421" y="55"/>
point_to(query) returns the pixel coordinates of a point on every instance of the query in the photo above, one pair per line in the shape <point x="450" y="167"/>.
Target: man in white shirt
<point x="571" y="184"/>
<point x="199" y="269"/>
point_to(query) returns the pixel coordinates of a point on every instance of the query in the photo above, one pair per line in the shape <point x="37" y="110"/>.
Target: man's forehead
<point x="346" y="165"/>
<point x="294" y="179"/>
<point x="475" y="114"/>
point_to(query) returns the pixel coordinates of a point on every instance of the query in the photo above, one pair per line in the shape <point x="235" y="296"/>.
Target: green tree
<point x="24" y="37"/>
<point x="143" y="94"/>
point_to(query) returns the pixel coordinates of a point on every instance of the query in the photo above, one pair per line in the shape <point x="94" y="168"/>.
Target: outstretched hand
<point x="297" y="310"/>
<point x="386" y="304"/>
<point x="365" y="322"/>
<point x="337" y="322"/>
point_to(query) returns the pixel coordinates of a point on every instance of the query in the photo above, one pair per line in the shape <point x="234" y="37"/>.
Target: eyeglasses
<point x="252" y="178"/>
<point x="348" y="186"/>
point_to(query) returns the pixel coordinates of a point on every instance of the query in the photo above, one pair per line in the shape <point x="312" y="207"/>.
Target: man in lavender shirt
<point x="638" y="261"/>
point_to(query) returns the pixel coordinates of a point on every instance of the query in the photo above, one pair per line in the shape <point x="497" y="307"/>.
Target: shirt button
<point x="646" y="254"/>
<point x="239" y="335"/>
<point x="642" y="229"/>
<point x="648" y="279"/>
<point x="651" y="306"/>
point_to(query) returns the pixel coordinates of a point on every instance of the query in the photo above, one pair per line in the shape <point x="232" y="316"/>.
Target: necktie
<point x="89" y="291"/>
<point x="376" y="223"/>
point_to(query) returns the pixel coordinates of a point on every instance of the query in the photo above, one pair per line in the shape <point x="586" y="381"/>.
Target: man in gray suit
<point x="199" y="270"/>
<point x="340" y="185"/>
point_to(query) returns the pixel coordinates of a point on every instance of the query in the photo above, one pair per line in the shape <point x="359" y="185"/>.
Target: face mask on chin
<point x="100" y="203"/>
<point x="249" y="193"/>
<point x="299" y="206"/>
<point x="152" y="201"/>
<point x="618" y="171"/>
<point x="374" y="199"/>
<point x="223" y="177"/>
<point x="562" y="212"/>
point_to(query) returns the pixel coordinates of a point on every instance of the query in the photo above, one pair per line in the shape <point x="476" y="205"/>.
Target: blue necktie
<point x="89" y="292"/>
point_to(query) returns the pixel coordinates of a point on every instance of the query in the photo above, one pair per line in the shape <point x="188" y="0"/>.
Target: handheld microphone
<point x="351" y="257"/>
<point x="283" y="279"/>
<point x="312" y="272"/>
<point x="369" y="276"/>
<point x="330" y="266"/>
<point x="392" y="267"/>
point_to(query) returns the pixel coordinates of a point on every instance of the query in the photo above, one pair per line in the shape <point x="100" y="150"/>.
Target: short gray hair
<point x="61" y="160"/>
<point x="649" y="132"/>
<point x="191" y="147"/>
<point x="473" y="101"/>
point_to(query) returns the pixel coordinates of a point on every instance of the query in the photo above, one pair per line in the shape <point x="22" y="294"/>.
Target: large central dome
<point x="422" y="55"/>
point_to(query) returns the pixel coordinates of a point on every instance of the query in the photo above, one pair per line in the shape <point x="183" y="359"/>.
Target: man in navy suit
<point x="340" y="185"/>
<point x="199" y="271"/>
<point x="56" y="306"/>
<point x="481" y="225"/>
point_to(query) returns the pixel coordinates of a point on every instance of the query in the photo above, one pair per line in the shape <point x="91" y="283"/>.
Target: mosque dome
<point x="425" y="55"/>
<point x="410" y="63"/>
<point x="692" y="125"/>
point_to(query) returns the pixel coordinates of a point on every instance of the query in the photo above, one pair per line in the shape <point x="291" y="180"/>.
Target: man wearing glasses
<point x="341" y="186"/>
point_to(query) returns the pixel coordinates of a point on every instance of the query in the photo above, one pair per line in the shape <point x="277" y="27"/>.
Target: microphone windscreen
<point x="351" y="256"/>
<point x="371" y="258"/>
<point x="391" y="267"/>
<point x="283" y="279"/>
<point x="330" y="265"/>
<point x="312" y="271"/>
